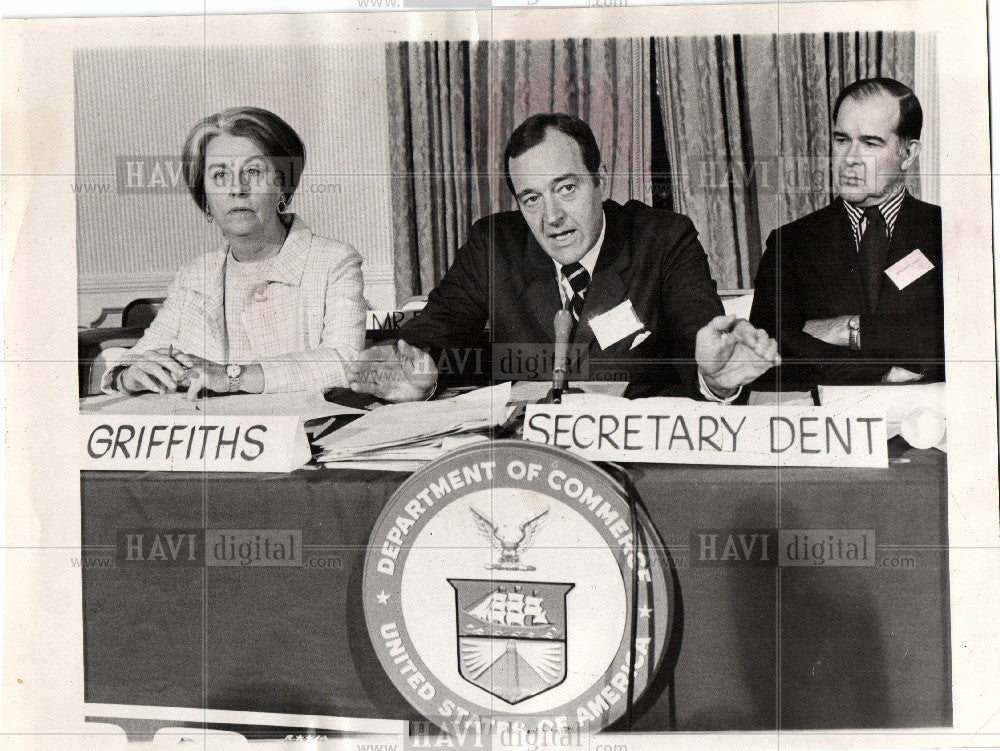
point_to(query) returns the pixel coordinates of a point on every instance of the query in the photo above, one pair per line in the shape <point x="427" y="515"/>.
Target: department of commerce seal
<point x="497" y="590"/>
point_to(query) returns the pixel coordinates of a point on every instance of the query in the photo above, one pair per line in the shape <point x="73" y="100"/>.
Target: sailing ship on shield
<point x="511" y="635"/>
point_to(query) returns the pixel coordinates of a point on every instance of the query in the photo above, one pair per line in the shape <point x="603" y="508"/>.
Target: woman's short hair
<point x="273" y="136"/>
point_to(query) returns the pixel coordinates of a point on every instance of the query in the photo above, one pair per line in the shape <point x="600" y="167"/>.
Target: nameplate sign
<point x="689" y="432"/>
<point x="209" y="443"/>
<point x="388" y="320"/>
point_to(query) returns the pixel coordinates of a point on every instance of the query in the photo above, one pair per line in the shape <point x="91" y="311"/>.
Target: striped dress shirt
<point x="889" y="209"/>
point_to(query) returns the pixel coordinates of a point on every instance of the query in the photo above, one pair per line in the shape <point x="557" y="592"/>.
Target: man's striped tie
<point x="579" y="280"/>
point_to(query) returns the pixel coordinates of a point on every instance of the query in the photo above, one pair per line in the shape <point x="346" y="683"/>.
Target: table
<point x="756" y="647"/>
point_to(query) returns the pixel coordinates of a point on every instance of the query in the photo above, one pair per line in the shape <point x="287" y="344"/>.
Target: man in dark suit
<point x="853" y="292"/>
<point x="635" y="279"/>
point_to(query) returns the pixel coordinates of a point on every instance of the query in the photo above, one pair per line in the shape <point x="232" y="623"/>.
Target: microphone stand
<point x="563" y="324"/>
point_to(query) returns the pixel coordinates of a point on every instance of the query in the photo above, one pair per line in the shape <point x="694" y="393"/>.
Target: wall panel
<point x="141" y="102"/>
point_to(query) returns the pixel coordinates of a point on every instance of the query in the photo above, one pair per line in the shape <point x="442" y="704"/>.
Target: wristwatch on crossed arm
<point x="235" y="374"/>
<point x="854" y="332"/>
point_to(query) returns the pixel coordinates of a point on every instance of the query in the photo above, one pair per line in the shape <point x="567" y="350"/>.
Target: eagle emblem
<point x="510" y="539"/>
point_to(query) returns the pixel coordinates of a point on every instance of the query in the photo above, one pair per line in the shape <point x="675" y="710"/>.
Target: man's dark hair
<point x="532" y="131"/>
<point x="911" y="117"/>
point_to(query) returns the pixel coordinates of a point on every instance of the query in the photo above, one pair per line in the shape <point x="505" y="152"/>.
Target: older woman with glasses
<point x="275" y="307"/>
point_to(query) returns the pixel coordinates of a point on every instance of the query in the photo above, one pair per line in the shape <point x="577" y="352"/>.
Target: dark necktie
<point x="872" y="254"/>
<point x="578" y="279"/>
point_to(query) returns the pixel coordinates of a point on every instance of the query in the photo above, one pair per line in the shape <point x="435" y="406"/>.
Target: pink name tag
<point x="908" y="269"/>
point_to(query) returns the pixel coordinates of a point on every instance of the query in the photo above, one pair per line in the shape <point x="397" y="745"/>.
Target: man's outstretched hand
<point x="396" y="372"/>
<point x="731" y="353"/>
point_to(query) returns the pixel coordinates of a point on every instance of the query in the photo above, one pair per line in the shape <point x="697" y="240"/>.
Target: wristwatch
<point x="854" y="332"/>
<point x="234" y="372"/>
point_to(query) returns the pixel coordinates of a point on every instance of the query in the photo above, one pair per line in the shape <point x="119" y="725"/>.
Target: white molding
<point x="379" y="274"/>
<point x="100" y="299"/>
<point x="106" y="295"/>
<point x="160" y="281"/>
<point x="380" y="286"/>
<point x="925" y="85"/>
<point x="138" y="283"/>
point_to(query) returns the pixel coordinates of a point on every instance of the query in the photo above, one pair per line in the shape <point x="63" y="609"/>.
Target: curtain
<point x="747" y="121"/>
<point x="703" y="108"/>
<point x="452" y="107"/>
<point x="746" y="128"/>
<point x="602" y="81"/>
<point x="429" y="159"/>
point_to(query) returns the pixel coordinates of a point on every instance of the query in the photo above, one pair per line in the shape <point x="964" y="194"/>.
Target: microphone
<point x="563" y="324"/>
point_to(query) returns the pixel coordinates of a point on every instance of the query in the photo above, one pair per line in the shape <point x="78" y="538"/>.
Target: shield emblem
<point x="511" y="635"/>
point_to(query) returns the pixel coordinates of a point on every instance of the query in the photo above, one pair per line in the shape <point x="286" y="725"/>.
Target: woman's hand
<point x="202" y="375"/>
<point x="168" y="370"/>
<point x="157" y="370"/>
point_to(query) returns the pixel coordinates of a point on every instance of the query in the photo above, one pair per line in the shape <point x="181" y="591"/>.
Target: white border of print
<point x="42" y="661"/>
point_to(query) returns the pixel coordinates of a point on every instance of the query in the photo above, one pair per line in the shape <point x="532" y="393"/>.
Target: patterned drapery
<point x="452" y="107"/>
<point x="747" y="125"/>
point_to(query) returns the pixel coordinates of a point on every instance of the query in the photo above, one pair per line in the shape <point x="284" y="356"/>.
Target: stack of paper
<point x="404" y="436"/>
<point x="780" y="398"/>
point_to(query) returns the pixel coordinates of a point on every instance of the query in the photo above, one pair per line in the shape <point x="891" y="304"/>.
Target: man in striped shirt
<point x="853" y="292"/>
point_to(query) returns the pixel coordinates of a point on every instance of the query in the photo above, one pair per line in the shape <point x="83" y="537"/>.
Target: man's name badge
<point x="908" y="269"/>
<point x="615" y="324"/>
